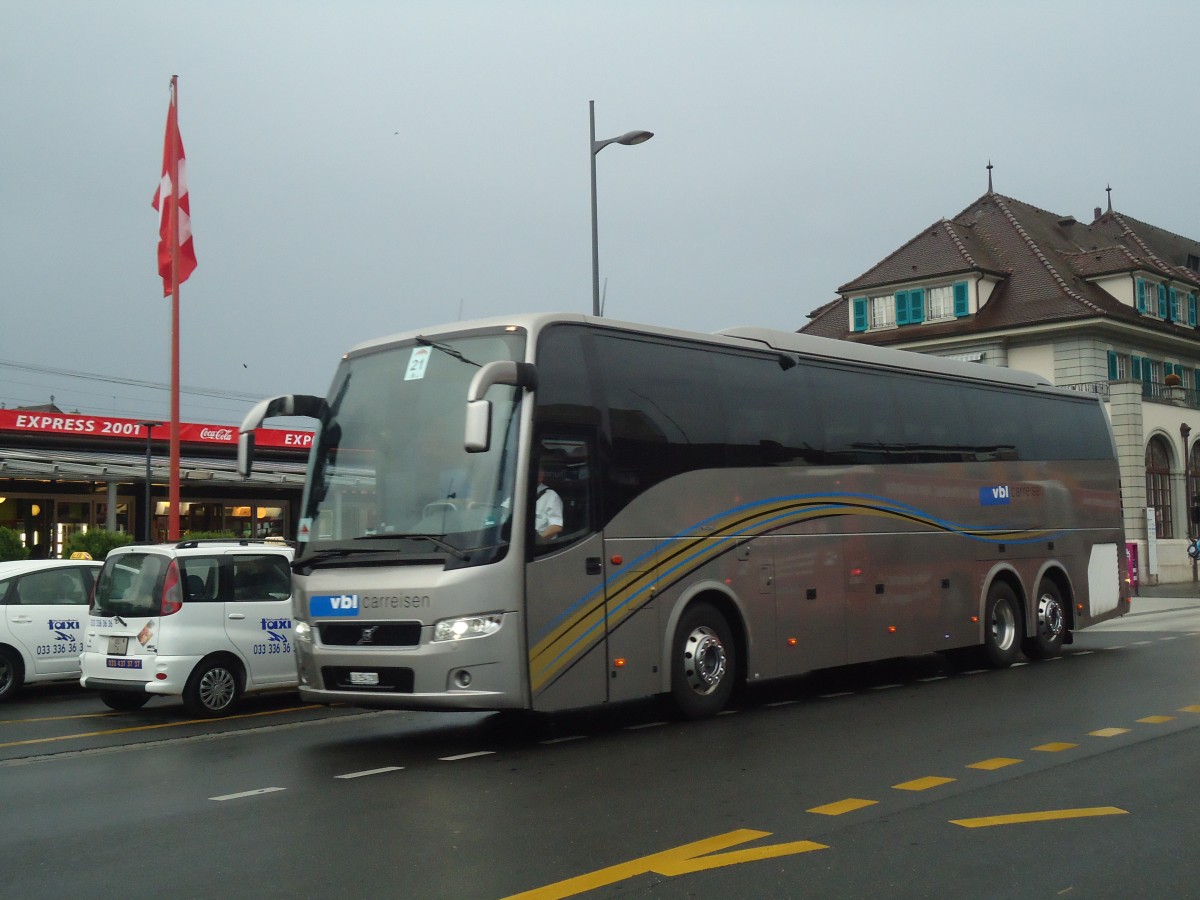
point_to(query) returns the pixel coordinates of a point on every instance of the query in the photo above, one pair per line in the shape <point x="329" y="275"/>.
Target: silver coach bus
<point x="736" y="507"/>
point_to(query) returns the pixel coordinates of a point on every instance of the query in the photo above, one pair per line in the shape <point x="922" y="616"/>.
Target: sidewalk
<point x="1176" y="589"/>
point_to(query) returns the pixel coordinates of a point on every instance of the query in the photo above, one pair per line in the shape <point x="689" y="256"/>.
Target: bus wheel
<point x="212" y="689"/>
<point x="1001" y="627"/>
<point x="702" y="663"/>
<point x="123" y="701"/>
<point x="1051" y="624"/>
<point x="10" y="673"/>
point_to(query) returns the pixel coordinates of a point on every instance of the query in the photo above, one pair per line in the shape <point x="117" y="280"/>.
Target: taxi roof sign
<point x="81" y="554"/>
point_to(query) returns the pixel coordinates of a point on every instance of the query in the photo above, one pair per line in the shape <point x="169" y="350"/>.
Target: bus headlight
<point x="466" y="627"/>
<point x="303" y="632"/>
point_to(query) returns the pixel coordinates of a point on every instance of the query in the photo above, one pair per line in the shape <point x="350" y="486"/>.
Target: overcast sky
<point x="363" y="168"/>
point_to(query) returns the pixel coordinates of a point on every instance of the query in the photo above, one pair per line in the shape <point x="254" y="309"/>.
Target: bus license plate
<point x="117" y="646"/>
<point x="368" y="678"/>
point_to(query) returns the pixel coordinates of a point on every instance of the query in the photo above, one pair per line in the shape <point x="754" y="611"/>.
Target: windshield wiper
<point x="436" y="541"/>
<point x="448" y="350"/>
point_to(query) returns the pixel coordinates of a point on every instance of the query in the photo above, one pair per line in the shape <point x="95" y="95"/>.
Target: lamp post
<point x="149" y="426"/>
<point x="628" y="138"/>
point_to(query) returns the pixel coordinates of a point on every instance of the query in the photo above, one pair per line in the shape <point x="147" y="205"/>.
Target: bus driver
<point x="548" y="511"/>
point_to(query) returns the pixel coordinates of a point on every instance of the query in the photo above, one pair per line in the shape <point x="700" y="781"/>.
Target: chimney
<point x="1097" y="218"/>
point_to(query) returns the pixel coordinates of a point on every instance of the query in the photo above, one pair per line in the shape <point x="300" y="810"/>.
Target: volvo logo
<point x="368" y="635"/>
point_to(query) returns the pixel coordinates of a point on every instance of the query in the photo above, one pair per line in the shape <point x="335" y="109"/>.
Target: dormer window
<point x="910" y="306"/>
<point x="1165" y="302"/>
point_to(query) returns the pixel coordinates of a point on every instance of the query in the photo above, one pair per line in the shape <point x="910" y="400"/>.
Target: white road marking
<point x="242" y="794"/>
<point x="466" y="755"/>
<point x="366" y="772"/>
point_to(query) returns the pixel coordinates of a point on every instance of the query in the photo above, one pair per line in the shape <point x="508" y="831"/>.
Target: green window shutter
<point x="859" y="305"/>
<point x="1135" y="367"/>
<point x="1191" y="307"/>
<point x="961" y="304"/>
<point x="1141" y="295"/>
<point x="1174" y="301"/>
<point x="916" y="305"/>
<point x="901" y="307"/>
<point x="1112" y="365"/>
<point x="1162" y="301"/>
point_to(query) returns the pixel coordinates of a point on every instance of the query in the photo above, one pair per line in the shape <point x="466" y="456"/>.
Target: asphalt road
<point x="1076" y="777"/>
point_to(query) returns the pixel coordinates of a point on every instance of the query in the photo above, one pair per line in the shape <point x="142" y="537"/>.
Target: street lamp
<point x="628" y="138"/>
<point x="149" y="426"/>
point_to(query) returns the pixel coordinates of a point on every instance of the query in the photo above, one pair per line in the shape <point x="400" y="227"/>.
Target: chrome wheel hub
<point x="704" y="660"/>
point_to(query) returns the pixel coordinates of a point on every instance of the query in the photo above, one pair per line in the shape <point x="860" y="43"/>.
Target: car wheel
<point x="213" y="689"/>
<point x="12" y="673"/>
<point x="1001" y="627"/>
<point x="123" y="701"/>
<point x="1051" y="625"/>
<point x="703" y="662"/>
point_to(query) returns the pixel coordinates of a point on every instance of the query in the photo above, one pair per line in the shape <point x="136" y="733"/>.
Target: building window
<point x="883" y="312"/>
<point x="940" y="302"/>
<point x="1158" y="485"/>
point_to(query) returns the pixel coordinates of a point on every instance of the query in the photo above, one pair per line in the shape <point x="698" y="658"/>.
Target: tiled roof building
<point x="1108" y="306"/>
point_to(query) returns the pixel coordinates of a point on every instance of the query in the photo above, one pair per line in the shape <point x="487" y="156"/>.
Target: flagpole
<point x="173" y="490"/>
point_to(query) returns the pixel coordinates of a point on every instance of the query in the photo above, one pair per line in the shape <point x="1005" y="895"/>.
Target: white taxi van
<point x="44" y="604"/>
<point x="208" y="620"/>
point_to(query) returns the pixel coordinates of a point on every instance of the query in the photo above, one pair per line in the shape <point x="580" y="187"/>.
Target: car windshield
<point x="389" y="474"/>
<point x="129" y="585"/>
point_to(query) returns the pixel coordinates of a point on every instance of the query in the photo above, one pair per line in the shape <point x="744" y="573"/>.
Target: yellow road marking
<point x="1056" y="747"/>
<point x="1157" y="720"/>
<point x="990" y="765"/>
<point x="923" y="784"/>
<point x="95" y="715"/>
<point x="1195" y="709"/>
<point x="87" y="734"/>
<point x="842" y="806"/>
<point x="1108" y="732"/>
<point x="1048" y="816"/>
<point x="678" y="861"/>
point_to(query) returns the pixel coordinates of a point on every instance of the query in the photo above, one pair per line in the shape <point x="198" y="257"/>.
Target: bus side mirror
<point x="478" y="436"/>
<point x="283" y="405"/>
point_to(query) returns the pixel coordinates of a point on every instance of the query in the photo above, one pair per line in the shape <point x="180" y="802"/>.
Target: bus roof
<point x="803" y="345"/>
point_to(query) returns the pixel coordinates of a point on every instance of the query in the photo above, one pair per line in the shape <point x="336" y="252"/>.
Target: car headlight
<point x="466" y="627"/>
<point x="303" y="632"/>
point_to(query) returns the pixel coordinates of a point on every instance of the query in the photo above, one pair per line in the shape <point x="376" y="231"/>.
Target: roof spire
<point x="1109" y="190"/>
<point x="989" y="168"/>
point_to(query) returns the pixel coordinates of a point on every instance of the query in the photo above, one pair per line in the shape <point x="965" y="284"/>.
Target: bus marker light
<point x="975" y="619"/>
<point x="791" y="642"/>
<point x="617" y="560"/>
<point x="891" y="629"/>
<point x="161" y="676"/>
<point x="854" y="573"/>
<point x="619" y="662"/>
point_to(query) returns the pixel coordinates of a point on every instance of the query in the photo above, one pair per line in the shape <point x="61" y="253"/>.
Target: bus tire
<point x="123" y="701"/>
<point x="703" y="662"/>
<point x="1050" y="623"/>
<point x="12" y="674"/>
<point x="213" y="689"/>
<point x="1001" y="627"/>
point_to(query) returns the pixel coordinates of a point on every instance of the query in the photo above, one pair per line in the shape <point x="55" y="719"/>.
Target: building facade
<point x="66" y="472"/>
<point x="1107" y="306"/>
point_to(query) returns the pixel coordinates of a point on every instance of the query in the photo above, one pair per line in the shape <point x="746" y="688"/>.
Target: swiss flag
<point x="171" y="201"/>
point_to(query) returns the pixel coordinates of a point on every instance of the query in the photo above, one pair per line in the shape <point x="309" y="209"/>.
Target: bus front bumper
<point x="473" y="674"/>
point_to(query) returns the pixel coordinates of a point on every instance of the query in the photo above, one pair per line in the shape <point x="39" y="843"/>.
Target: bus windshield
<point x="389" y="478"/>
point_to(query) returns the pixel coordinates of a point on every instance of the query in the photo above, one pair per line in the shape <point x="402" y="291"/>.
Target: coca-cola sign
<point x="215" y="434"/>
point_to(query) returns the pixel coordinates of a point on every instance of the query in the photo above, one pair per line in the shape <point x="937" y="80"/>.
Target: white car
<point x="45" y="606"/>
<point x="206" y="620"/>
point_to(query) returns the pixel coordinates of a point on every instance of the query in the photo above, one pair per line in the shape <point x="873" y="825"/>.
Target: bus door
<point x="564" y="590"/>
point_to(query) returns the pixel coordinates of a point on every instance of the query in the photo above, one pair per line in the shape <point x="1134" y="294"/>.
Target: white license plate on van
<point x="117" y="646"/>
<point x="365" y="678"/>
